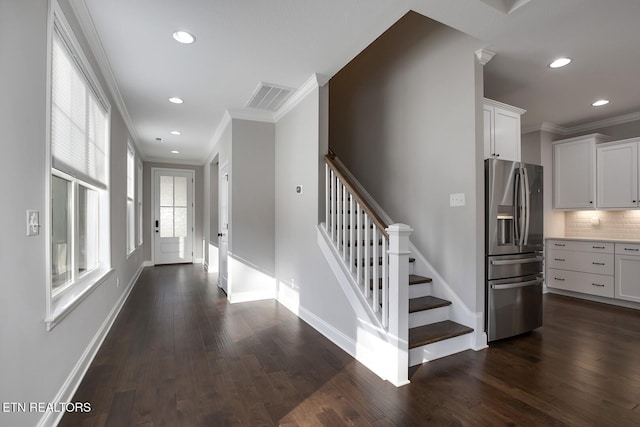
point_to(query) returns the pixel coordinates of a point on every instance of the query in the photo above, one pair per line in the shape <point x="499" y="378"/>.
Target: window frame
<point x="131" y="201"/>
<point x="139" y="206"/>
<point x="61" y="301"/>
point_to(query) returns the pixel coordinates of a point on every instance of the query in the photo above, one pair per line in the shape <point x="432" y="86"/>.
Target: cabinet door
<point x="627" y="278"/>
<point x="506" y="135"/>
<point x="488" y="132"/>
<point x="618" y="176"/>
<point x="574" y="175"/>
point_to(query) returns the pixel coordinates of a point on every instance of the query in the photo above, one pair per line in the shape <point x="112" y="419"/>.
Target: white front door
<point x="223" y="227"/>
<point x="173" y="216"/>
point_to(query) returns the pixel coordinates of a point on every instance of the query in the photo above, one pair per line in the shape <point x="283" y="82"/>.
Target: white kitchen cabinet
<point x="618" y="174"/>
<point x="580" y="266"/>
<point x="627" y="272"/>
<point x="574" y="172"/>
<point x="502" y="130"/>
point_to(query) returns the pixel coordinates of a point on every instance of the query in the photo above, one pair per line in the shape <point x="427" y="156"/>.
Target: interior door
<point x="223" y="227"/>
<point x="173" y="216"/>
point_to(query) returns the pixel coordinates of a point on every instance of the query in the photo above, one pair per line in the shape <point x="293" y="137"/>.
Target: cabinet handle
<point x="559" y="244"/>
<point x="558" y="279"/>
<point x="633" y="201"/>
<point x="597" y="263"/>
<point x="598" y="285"/>
<point x="497" y="155"/>
<point x="598" y="247"/>
<point x="631" y="249"/>
<point x="591" y="201"/>
<point x="559" y="259"/>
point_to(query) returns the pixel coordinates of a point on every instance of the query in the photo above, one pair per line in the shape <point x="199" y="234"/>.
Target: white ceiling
<point x="241" y="43"/>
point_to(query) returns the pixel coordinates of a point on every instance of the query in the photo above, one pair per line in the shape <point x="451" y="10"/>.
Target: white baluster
<point x="376" y="291"/>
<point x="345" y="218"/>
<point x="327" y="201"/>
<point x="339" y="240"/>
<point x="367" y="256"/>
<point x="385" y="283"/>
<point x="358" y="246"/>
<point x="333" y="206"/>
<point x="352" y="228"/>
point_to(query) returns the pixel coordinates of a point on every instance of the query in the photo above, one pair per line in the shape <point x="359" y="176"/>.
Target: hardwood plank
<point x="179" y="354"/>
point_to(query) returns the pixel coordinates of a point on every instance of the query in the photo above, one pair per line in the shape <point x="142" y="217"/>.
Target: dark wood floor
<point x="180" y="355"/>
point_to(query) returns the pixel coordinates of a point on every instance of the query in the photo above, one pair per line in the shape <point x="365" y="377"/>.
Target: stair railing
<point x="362" y="239"/>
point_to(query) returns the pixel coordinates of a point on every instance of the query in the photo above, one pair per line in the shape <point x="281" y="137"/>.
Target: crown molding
<point x="88" y="28"/>
<point x="313" y="82"/>
<point x="612" y="121"/>
<point x="484" y="56"/>
<point x="585" y="127"/>
<point x="252" y="114"/>
<point x="165" y="160"/>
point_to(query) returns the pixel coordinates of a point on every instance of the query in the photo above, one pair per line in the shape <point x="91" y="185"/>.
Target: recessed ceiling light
<point x="560" y="62"/>
<point x="176" y="100"/>
<point x="175" y="132"/>
<point x="600" y="102"/>
<point x="175" y="151"/>
<point x="183" y="37"/>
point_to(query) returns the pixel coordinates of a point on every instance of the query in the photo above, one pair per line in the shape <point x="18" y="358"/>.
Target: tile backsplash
<point x="610" y="224"/>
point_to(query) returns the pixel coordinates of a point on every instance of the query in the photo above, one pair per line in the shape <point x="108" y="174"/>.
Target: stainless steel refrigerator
<point x="514" y="245"/>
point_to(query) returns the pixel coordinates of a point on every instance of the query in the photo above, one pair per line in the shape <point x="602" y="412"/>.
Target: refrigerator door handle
<point x="516" y="285"/>
<point x="527" y="206"/>
<point x="516" y="209"/>
<point x="516" y="261"/>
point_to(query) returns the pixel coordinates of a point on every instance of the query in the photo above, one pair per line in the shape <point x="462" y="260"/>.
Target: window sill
<point x="63" y="304"/>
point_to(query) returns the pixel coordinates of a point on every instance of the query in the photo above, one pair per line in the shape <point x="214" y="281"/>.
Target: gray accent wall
<point x="404" y="118"/>
<point x="34" y="363"/>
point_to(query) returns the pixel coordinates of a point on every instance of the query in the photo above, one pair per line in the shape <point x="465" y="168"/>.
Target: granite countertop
<point x="593" y="239"/>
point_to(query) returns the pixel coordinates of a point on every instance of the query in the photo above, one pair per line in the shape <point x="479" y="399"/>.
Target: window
<point x="79" y="198"/>
<point x="131" y="201"/>
<point x="139" y="199"/>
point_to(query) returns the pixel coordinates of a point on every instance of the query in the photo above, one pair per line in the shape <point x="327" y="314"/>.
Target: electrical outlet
<point x="456" y="199"/>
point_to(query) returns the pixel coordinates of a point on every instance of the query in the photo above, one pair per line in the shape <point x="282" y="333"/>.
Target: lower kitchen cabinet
<point x="627" y="272"/>
<point x="581" y="266"/>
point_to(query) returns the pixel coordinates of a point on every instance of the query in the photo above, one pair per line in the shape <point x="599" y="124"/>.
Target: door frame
<point x="223" y="168"/>
<point x="153" y="209"/>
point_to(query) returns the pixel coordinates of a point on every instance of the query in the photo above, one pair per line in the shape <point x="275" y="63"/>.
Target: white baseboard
<point x="198" y="260"/>
<point x="148" y="264"/>
<point x="248" y="296"/>
<point x="71" y="384"/>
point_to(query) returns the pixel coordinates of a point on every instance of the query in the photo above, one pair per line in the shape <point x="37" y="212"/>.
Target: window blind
<point x="78" y="120"/>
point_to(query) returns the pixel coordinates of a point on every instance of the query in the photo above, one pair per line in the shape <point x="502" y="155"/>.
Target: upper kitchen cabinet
<point x="574" y="172"/>
<point x="618" y="174"/>
<point x="501" y="130"/>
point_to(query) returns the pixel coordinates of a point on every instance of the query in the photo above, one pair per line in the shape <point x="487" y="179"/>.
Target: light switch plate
<point x="33" y="223"/>
<point x="456" y="199"/>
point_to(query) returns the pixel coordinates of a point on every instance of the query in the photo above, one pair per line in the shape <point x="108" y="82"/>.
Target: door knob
<point x="220" y="234"/>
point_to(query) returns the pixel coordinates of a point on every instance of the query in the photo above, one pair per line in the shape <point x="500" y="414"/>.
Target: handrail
<point x="353" y="189"/>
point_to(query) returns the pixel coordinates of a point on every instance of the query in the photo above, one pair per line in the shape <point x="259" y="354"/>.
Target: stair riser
<point x="426" y="317"/>
<point x="421" y="290"/>
<point x="439" y="349"/>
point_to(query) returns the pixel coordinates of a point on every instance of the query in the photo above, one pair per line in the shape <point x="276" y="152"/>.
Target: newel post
<point x="399" y="302"/>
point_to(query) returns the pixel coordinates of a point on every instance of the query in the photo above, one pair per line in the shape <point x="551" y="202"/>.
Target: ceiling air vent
<point x="269" y="97"/>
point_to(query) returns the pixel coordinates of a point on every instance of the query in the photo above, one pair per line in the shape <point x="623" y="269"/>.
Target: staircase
<point x="375" y="258"/>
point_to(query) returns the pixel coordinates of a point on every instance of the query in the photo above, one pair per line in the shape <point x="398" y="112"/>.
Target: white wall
<point x="530" y="148"/>
<point x="403" y="118"/>
<point x="553" y="220"/>
<point x="34" y="363"/>
<point x="306" y="283"/>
